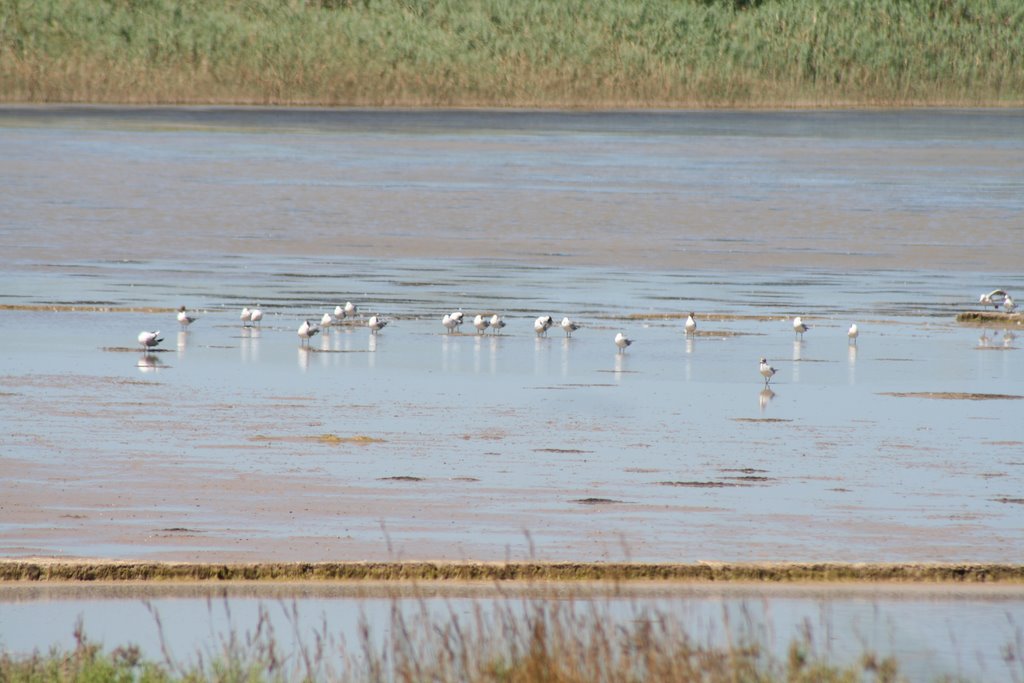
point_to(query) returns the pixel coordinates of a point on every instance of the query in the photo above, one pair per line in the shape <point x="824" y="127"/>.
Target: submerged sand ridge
<point x="103" y="571"/>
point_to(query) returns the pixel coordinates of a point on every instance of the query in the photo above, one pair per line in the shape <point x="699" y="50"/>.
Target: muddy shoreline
<point x="47" y="570"/>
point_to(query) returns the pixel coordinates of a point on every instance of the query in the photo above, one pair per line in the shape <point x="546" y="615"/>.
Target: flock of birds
<point x="454" y="320"/>
<point x="998" y="298"/>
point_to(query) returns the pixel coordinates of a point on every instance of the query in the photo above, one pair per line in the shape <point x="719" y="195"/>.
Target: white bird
<point x="148" y="340"/>
<point x="994" y="298"/>
<point x="327" y="320"/>
<point x="457" y="316"/>
<point x="569" y="326"/>
<point x="767" y="371"/>
<point x="184" y="319"/>
<point x="541" y="325"/>
<point x="307" y="330"/>
<point x="246" y="316"/>
<point x="481" y="323"/>
<point x="350" y="309"/>
<point x="799" y="327"/>
<point x="1009" y="305"/>
<point x="496" y="323"/>
<point x="376" y="324"/>
<point x="339" y="313"/>
<point x="852" y="333"/>
<point x="449" y="323"/>
<point x="256" y="316"/>
<point x="691" y="325"/>
<point x="622" y="342"/>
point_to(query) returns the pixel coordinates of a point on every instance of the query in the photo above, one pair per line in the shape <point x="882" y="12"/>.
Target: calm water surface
<point x="234" y="443"/>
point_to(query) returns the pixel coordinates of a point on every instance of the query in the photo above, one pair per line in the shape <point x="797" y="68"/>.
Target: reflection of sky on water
<point x="931" y="632"/>
<point x="543" y="418"/>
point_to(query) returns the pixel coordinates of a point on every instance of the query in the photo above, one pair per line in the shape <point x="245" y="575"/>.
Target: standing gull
<point x="246" y="316"/>
<point x="852" y="333"/>
<point x="691" y="325"/>
<point x="622" y="342"/>
<point x="376" y="324"/>
<point x="1009" y="305"/>
<point x="339" y="313"/>
<point x="148" y="340"/>
<point x="995" y="298"/>
<point x="449" y="322"/>
<point x="326" y="321"/>
<point x="256" y="316"/>
<point x="481" y="323"/>
<point x="184" y="319"/>
<point x="306" y="330"/>
<point x="766" y="371"/>
<point x="541" y="325"/>
<point x="350" y="309"/>
<point x="496" y="323"/>
<point x="799" y="327"/>
<point x="569" y="326"/>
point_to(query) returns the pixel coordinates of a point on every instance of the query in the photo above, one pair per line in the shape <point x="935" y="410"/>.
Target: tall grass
<point x="552" y="53"/>
<point x="537" y="641"/>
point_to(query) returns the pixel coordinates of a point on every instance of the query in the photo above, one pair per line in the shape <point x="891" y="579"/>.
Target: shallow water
<point x="236" y="444"/>
<point x="213" y="448"/>
<point x="931" y="631"/>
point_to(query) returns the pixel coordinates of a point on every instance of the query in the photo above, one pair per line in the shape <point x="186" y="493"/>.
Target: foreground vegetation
<point x="520" y="53"/>
<point x="546" y="641"/>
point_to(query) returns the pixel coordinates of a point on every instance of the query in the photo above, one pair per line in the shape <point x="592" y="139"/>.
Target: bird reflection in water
<point x="182" y="343"/>
<point x="149" y="363"/>
<point x="304" y="352"/>
<point x="250" y="344"/>
<point x="764" y="398"/>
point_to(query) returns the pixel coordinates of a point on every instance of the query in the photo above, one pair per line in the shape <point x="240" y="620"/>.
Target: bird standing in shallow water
<point x="569" y="326"/>
<point x="184" y="319"/>
<point x="799" y="327"/>
<point x="691" y="325"/>
<point x="852" y="333"/>
<point x="148" y="340"/>
<point x="256" y="316"/>
<point x="481" y="323"/>
<point x="376" y="324"/>
<point x="246" y="316"/>
<point x="307" y="330"/>
<point x="622" y="342"/>
<point x="496" y="323"/>
<point x="541" y="325"/>
<point x="767" y="371"/>
<point x="1009" y="305"/>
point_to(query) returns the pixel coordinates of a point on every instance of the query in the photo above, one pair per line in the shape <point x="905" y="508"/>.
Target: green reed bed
<point x="521" y="53"/>
<point x="535" y="641"/>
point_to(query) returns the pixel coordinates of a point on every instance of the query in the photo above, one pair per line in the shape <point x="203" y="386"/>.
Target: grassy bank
<point x="14" y="570"/>
<point x="523" y="53"/>
<point x="542" y="641"/>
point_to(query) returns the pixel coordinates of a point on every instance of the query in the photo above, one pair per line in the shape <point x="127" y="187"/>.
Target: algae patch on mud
<point x="952" y="395"/>
<point x="333" y="439"/>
